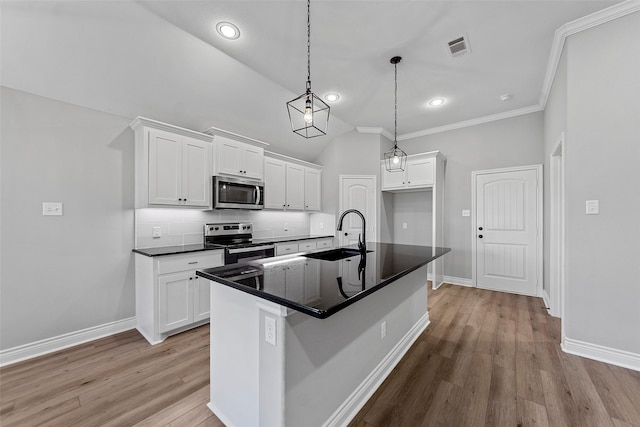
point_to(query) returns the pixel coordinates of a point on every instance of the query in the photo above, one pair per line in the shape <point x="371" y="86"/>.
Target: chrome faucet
<point x="362" y="245"/>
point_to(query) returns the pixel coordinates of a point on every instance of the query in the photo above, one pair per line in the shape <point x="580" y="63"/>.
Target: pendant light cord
<point x="395" y="131"/>
<point x="308" y="46"/>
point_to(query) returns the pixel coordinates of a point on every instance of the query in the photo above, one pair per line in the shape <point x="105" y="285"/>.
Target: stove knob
<point x="217" y="228"/>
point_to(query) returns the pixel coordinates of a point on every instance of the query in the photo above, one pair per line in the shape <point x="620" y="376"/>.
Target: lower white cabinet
<point x="170" y="297"/>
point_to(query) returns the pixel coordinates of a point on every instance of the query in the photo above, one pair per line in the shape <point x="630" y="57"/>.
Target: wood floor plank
<point x="487" y="358"/>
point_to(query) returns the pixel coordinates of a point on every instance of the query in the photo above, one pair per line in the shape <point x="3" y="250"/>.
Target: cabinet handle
<point x="179" y="200"/>
<point x="193" y="262"/>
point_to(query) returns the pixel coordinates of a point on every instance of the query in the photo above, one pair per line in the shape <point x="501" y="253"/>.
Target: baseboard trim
<point x="216" y="411"/>
<point x="352" y="405"/>
<point x="50" y="345"/>
<point x="625" y="359"/>
<point x="460" y="281"/>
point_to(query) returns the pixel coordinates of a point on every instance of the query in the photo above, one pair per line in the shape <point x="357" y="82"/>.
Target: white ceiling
<point x="163" y="59"/>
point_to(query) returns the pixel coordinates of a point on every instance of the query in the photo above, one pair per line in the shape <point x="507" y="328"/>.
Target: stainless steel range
<point x="237" y="240"/>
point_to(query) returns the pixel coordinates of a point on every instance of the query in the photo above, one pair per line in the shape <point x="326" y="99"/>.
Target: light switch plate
<point x="157" y="232"/>
<point x="51" y="208"/>
<point x="466" y="212"/>
<point x="593" y="207"/>
<point x="404" y="225"/>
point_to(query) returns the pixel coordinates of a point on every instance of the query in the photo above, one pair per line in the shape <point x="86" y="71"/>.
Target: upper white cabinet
<point x="420" y="172"/>
<point x="291" y="186"/>
<point x="172" y="165"/>
<point x="312" y="187"/>
<point x="239" y="159"/>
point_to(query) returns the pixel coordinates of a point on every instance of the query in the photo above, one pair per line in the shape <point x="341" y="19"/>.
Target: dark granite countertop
<point x="321" y="288"/>
<point x="183" y="249"/>
<point x="175" y="250"/>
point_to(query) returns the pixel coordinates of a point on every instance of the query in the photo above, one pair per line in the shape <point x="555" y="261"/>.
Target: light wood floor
<point x="486" y="359"/>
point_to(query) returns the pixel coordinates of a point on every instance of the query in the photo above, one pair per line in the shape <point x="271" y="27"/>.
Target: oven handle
<point x="250" y="249"/>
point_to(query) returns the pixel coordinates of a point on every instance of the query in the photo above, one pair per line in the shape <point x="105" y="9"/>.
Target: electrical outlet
<point x="322" y="226"/>
<point x="404" y="225"/>
<point x="157" y="231"/>
<point x="383" y="330"/>
<point x="270" y="330"/>
<point x="49" y="208"/>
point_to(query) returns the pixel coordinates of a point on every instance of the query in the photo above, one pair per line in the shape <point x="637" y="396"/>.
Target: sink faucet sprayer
<point x="362" y="245"/>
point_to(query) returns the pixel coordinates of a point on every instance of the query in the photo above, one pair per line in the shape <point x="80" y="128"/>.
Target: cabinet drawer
<point x="324" y="243"/>
<point x="286" y="248"/>
<point x="306" y="246"/>
<point x="194" y="261"/>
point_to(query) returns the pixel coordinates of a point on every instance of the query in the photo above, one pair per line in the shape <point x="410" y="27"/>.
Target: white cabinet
<point x="312" y="179"/>
<point x="286" y="248"/>
<point x="419" y="173"/>
<point x="172" y="165"/>
<point x="291" y="186"/>
<point x="239" y="159"/>
<point x="295" y="187"/>
<point x="170" y="297"/>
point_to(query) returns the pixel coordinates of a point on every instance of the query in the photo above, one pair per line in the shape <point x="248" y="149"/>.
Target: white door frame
<point x="539" y="222"/>
<point x="374" y="220"/>
<point x="555" y="300"/>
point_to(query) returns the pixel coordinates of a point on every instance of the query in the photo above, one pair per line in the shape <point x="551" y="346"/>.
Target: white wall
<point x="185" y="226"/>
<point x="61" y="274"/>
<point x="602" y="159"/>
<point x="510" y="142"/>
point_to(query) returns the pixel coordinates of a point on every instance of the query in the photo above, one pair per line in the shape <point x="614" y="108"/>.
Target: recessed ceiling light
<point x="332" y="97"/>
<point x="436" y="102"/>
<point x="505" y="97"/>
<point x="228" y="30"/>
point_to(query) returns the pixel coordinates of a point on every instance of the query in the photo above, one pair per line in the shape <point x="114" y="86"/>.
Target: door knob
<point x="479" y="236"/>
<point x="346" y="234"/>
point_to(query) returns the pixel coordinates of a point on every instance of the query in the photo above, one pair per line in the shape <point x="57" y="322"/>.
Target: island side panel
<point x="234" y="371"/>
<point x="330" y="361"/>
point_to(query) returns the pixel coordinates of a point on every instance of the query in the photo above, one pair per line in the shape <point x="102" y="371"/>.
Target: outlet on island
<point x="270" y="330"/>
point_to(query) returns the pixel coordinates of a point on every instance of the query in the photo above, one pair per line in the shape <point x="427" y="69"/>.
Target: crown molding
<point x="574" y="27"/>
<point x="213" y="131"/>
<point x="472" y="122"/>
<point x="376" y="130"/>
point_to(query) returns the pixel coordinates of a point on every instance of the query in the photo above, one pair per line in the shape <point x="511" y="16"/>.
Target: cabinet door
<point x="294" y="282"/>
<point x="420" y="172"/>
<point x="295" y="187"/>
<point x="275" y="172"/>
<point x="311" y="283"/>
<point x="312" y="189"/>
<point x="196" y="173"/>
<point x="175" y="300"/>
<point x="392" y="180"/>
<point x="201" y="296"/>
<point x="165" y="168"/>
<point x="253" y="165"/>
<point x="229" y="157"/>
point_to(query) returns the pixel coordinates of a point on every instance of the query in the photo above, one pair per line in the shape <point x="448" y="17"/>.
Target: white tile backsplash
<point x="185" y="226"/>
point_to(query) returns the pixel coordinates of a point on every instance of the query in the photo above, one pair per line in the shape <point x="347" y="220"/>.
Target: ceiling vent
<point x="459" y="46"/>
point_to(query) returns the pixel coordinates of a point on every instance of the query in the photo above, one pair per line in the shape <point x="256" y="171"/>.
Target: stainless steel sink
<point x="334" y="254"/>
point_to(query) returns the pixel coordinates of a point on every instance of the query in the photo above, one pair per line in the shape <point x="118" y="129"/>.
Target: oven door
<point x="236" y="193"/>
<point x="233" y="256"/>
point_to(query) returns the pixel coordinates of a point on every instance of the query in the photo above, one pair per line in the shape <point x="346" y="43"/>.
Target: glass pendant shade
<point x="395" y="160"/>
<point x="309" y="115"/>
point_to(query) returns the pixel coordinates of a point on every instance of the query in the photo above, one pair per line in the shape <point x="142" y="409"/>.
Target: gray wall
<point x="61" y="274"/>
<point x="510" y="142"/>
<point x="416" y="210"/>
<point x="602" y="161"/>
<point x="352" y="153"/>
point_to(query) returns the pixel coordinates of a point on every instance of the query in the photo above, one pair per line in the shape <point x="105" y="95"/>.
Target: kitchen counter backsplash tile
<point x="185" y="226"/>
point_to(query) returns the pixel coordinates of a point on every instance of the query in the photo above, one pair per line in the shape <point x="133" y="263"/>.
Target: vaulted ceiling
<point x="165" y="60"/>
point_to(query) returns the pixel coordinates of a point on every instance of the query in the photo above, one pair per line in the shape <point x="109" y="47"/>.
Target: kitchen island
<point x="306" y="339"/>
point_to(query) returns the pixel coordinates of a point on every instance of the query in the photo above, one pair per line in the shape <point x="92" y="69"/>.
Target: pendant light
<point x="395" y="160"/>
<point x="309" y="115"/>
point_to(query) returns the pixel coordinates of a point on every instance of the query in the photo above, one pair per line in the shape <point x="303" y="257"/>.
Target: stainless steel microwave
<point x="237" y="193"/>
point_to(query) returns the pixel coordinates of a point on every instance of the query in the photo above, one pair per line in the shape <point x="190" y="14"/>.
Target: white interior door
<point x="357" y="192"/>
<point x="507" y="221"/>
